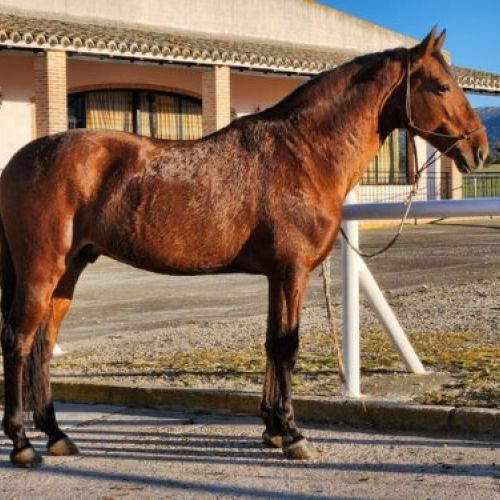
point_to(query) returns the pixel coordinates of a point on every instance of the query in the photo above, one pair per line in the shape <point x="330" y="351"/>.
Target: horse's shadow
<point x="142" y="437"/>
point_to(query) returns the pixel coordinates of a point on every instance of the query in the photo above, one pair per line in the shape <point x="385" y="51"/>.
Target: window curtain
<point x="158" y="115"/>
<point x="169" y="117"/>
<point x="168" y="123"/>
<point x="390" y="164"/>
<point x="109" y="110"/>
<point x="191" y="119"/>
<point x="147" y="120"/>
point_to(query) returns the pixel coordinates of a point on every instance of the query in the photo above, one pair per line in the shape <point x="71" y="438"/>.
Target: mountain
<point x="491" y="119"/>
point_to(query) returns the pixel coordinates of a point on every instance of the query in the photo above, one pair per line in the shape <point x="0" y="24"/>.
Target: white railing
<point x="355" y="274"/>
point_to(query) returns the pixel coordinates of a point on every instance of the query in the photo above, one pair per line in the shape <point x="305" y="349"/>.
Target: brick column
<point x="51" y="93"/>
<point x="216" y="98"/>
<point x="455" y="178"/>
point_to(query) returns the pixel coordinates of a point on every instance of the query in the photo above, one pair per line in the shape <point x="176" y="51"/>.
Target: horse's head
<point x="437" y="108"/>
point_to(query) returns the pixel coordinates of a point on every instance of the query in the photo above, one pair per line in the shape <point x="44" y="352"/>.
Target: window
<point x="144" y="112"/>
<point x="390" y="166"/>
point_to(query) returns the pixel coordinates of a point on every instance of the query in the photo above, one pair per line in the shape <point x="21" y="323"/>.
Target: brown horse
<point x="264" y="195"/>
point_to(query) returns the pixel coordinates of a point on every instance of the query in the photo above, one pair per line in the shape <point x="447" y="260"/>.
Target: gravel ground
<point x="454" y="329"/>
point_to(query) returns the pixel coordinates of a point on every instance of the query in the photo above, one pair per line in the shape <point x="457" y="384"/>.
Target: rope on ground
<point x="327" y="285"/>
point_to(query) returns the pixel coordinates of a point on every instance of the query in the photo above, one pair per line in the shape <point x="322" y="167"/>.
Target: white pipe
<point x="388" y="319"/>
<point x="434" y="208"/>
<point x="350" y="310"/>
<point x="355" y="271"/>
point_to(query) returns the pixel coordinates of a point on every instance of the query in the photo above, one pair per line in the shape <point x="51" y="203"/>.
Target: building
<point x="182" y="69"/>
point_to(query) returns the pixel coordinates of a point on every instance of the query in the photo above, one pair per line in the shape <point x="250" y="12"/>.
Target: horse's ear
<point x="438" y="44"/>
<point x="426" y="46"/>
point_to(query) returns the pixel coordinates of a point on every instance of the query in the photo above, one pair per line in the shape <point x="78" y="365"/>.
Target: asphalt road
<point x="153" y="454"/>
<point x="112" y="298"/>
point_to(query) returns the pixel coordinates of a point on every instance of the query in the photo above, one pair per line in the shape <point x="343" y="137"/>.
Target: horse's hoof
<point x="272" y="440"/>
<point x="300" y="450"/>
<point x="27" y="457"/>
<point x="63" y="447"/>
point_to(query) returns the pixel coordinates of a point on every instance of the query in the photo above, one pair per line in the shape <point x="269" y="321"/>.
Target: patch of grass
<point x="492" y="167"/>
<point x="473" y="363"/>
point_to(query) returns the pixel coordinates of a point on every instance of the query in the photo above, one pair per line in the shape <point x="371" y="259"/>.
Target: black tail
<point x="34" y="383"/>
<point x="7" y="278"/>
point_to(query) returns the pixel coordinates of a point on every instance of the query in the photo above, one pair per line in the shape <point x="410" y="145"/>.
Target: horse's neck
<point x="345" y="124"/>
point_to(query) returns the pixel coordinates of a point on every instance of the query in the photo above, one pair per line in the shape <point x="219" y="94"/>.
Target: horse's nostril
<point x="480" y="154"/>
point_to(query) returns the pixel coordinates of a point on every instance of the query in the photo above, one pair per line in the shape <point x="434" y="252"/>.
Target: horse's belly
<point x="179" y="247"/>
<point x="201" y="248"/>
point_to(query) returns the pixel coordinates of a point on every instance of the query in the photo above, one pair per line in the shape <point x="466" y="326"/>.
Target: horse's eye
<point x="442" y="88"/>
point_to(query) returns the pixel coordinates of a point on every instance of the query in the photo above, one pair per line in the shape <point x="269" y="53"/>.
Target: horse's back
<point x="180" y="206"/>
<point x="54" y="159"/>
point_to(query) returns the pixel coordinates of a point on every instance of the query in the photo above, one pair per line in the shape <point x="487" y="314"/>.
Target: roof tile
<point x="127" y="41"/>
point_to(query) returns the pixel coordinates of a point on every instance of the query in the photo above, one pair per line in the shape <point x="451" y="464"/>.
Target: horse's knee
<point x="15" y="350"/>
<point x="28" y="315"/>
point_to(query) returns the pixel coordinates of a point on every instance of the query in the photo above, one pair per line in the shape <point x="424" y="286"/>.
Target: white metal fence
<point x="355" y="274"/>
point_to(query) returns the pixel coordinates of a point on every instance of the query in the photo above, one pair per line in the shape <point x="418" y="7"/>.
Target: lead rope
<point x="325" y="267"/>
<point x="325" y="271"/>
<point x="430" y="161"/>
<point x="407" y="201"/>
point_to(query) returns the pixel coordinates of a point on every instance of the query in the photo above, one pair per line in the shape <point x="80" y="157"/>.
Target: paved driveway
<point x="153" y="454"/>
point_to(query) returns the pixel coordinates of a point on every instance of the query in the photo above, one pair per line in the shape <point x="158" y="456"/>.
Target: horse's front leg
<point x="274" y="433"/>
<point x="282" y="348"/>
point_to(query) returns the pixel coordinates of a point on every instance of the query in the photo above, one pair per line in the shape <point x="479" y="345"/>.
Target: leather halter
<point x="412" y="128"/>
<point x="425" y="132"/>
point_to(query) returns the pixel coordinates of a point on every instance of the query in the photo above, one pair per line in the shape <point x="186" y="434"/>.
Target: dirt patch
<point x="454" y="330"/>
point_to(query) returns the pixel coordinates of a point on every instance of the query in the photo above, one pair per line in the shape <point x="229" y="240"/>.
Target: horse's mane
<point x="336" y="84"/>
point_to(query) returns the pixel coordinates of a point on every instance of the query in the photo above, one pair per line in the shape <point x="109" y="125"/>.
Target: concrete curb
<point x="381" y="415"/>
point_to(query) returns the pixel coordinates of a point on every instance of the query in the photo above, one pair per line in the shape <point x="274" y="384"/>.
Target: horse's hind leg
<point x="45" y="418"/>
<point x="21" y="355"/>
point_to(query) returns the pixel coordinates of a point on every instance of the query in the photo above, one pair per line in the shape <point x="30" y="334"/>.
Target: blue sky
<point x="473" y="27"/>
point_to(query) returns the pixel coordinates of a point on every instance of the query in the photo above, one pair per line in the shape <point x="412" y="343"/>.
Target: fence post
<point x="350" y="309"/>
<point x="388" y="319"/>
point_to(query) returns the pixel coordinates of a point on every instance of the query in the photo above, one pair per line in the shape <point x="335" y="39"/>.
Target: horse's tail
<point x="7" y="277"/>
<point x="34" y="386"/>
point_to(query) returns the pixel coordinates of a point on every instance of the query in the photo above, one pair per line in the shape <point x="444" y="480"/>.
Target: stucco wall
<point x="296" y="21"/>
<point x="250" y="93"/>
<point x="17" y="110"/>
<point x="83" y="74"/>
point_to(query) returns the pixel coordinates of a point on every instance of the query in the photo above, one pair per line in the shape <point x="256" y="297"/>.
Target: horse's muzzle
<point x="472" y="159"/>
<point x="480" y="156"/>
<point x="462" y="163"/>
